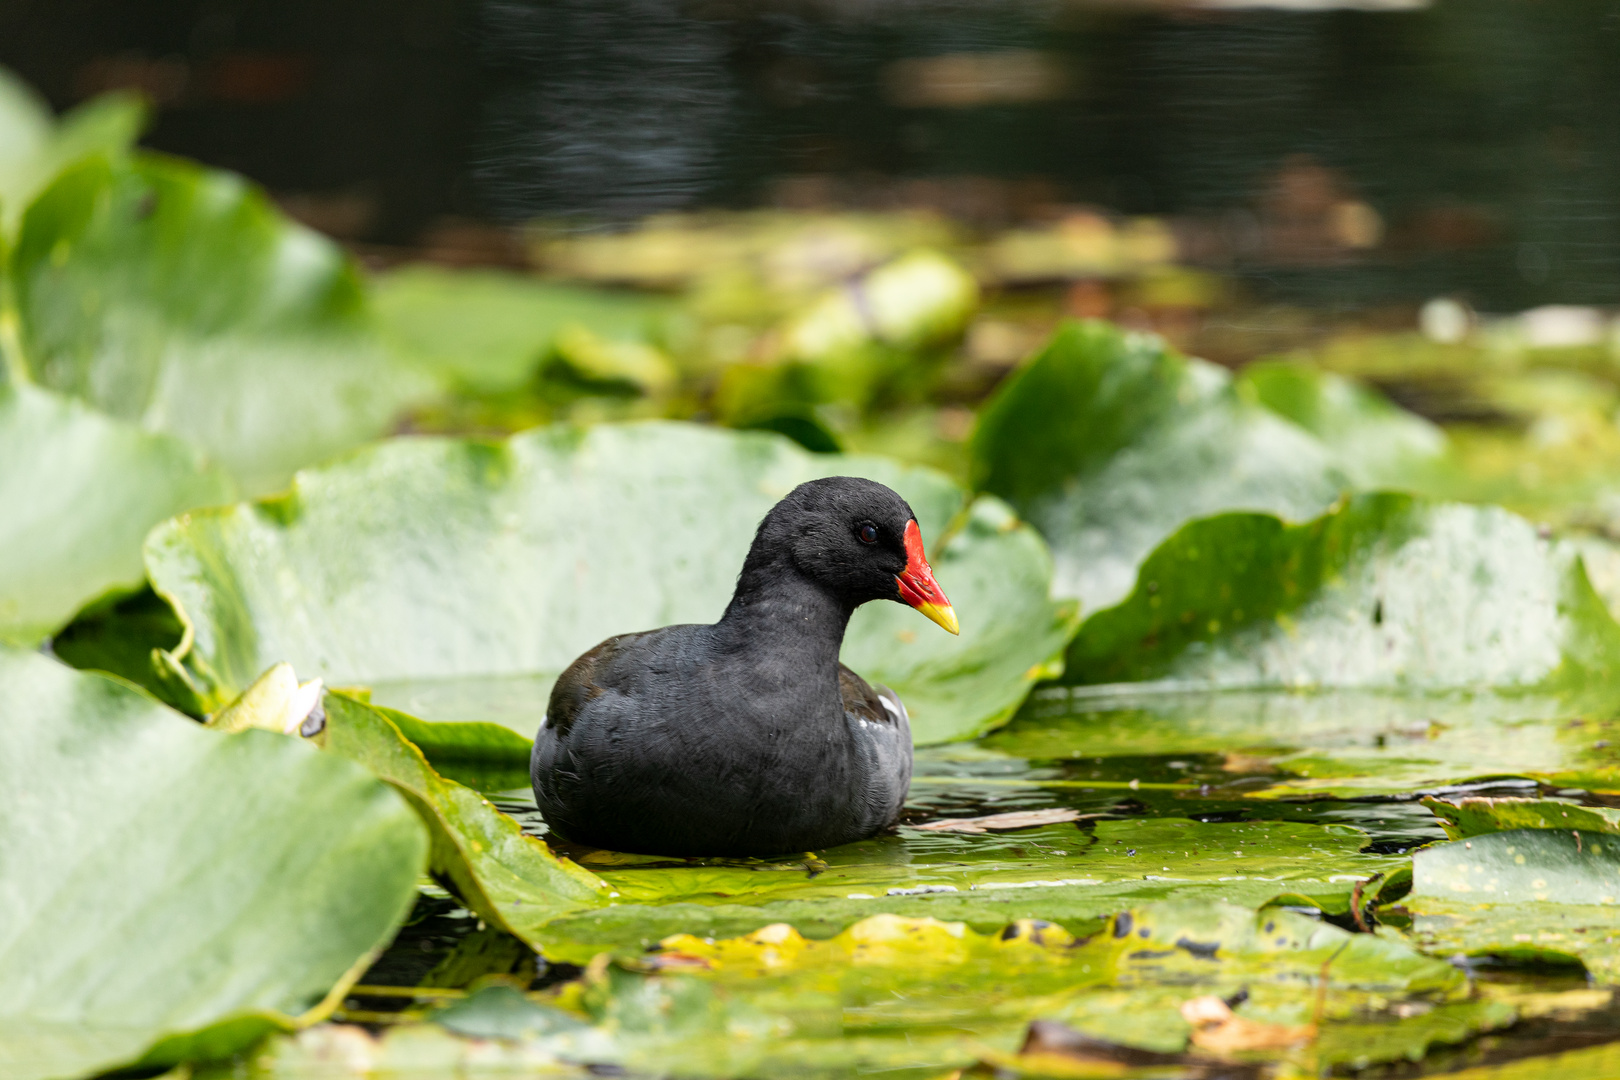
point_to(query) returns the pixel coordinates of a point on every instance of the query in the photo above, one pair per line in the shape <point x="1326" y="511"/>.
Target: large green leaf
<point x="1386" y="590"/>
<point x="33" y="145"/>
<point x="179" y="298"/>
<point x="511" y="880"/>
<point x="453" y="575"/>
<point x="1106" y="441"/>
<point x="490" y="328"/>
<point x="158" y="880"/>
<point x="1467" y="818"/>
<point x="1061" y="873"/>
<point x="80" y="491"/>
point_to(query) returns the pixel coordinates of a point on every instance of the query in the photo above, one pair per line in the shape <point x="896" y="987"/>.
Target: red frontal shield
<point x="918" y="587"/>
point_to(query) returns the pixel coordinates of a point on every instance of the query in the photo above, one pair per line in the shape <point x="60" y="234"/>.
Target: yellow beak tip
<point x="944" y="616"/>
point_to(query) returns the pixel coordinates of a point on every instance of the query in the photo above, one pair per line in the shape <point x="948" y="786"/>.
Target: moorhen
<point x="747" y="736"/>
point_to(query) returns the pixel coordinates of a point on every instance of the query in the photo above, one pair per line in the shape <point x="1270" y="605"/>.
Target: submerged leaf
<point x="1384" y="591"/>
<point x="226" y="886"/>
<point x="453" y="574"/>
<point x="511" y="880"/>
<point x="80" y="492"/>
<point x="180" y="298"/>
<point x="1107" y="442"/>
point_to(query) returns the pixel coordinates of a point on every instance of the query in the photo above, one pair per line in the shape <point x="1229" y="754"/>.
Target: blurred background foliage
<point x="847" y="223"/>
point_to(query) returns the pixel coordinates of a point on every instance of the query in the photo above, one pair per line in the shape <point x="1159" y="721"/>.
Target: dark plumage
<point x="747" y="736"/>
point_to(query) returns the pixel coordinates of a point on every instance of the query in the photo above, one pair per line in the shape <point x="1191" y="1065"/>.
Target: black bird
<point x="747" y="736"/>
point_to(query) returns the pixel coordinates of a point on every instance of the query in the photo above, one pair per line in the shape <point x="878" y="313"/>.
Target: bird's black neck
<point x="776" y="607"/>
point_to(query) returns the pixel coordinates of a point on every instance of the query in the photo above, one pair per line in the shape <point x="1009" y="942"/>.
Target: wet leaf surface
<point x="178" y="298"/>
<point x="241" y="877"/>
<point x="421" y="568"/>
<point x="1475" y="817"/>
<point x="80" y="491"/>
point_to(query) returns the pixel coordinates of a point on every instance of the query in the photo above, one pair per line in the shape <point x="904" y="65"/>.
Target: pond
<point x="1251" y="375"/>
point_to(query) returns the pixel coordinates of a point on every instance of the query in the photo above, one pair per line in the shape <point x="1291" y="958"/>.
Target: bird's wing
<point x="875" y="705"/>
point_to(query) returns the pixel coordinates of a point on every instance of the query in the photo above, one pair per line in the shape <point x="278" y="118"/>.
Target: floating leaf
<point x="1475" y="817"/>
<point x="490" y="328"/>
<point x="1107" y="442"/>
<point x="442" y="571"/>
<point x="234" y="881"/>
<point x="1058" y="873"/>
<point x="888" y="973"/>
<point x="81" y="491"/>
<point x="1528" y="894"/>
<point x="511" y="880"/>
<point x="1531" y="932"/>
<point x="179" y="298"/>
<point x="1522" y="864"/>
<point x="1386" y="590"/>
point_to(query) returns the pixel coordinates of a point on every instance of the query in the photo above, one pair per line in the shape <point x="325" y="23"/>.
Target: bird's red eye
<point x="868" y="533"/>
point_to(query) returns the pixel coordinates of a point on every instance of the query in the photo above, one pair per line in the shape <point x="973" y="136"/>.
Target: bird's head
<point x="860" y="540"/>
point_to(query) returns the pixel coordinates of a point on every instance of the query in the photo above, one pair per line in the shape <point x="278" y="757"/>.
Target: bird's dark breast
<point x="634" y="762"/>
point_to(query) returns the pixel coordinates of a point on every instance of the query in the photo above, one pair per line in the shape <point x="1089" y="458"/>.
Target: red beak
<point x="918" y="587"/>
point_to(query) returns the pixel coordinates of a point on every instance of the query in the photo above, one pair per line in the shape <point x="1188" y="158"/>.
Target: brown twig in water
<point x="1357" y="906"/>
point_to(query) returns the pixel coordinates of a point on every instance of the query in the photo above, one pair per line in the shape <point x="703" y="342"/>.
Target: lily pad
<point x="1386" y="590"/>
<point x="34" y="145"/>
<point x="1107" y="442"/>
<point x="1476" y="817"/>
<point x="81" y="490"/>
<point x="234" y="884"/>
<point x="180" y="299"/>
<point x="511" y="880"/>
<point x="440" y="571"/>
<point x="1521" y="865"/>
<point x="1126" y="983"/>
<point x="1058" y="873"/>
<point x="490" y="329"/>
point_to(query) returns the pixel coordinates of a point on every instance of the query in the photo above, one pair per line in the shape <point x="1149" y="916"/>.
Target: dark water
<point x="1485" y="134"/>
